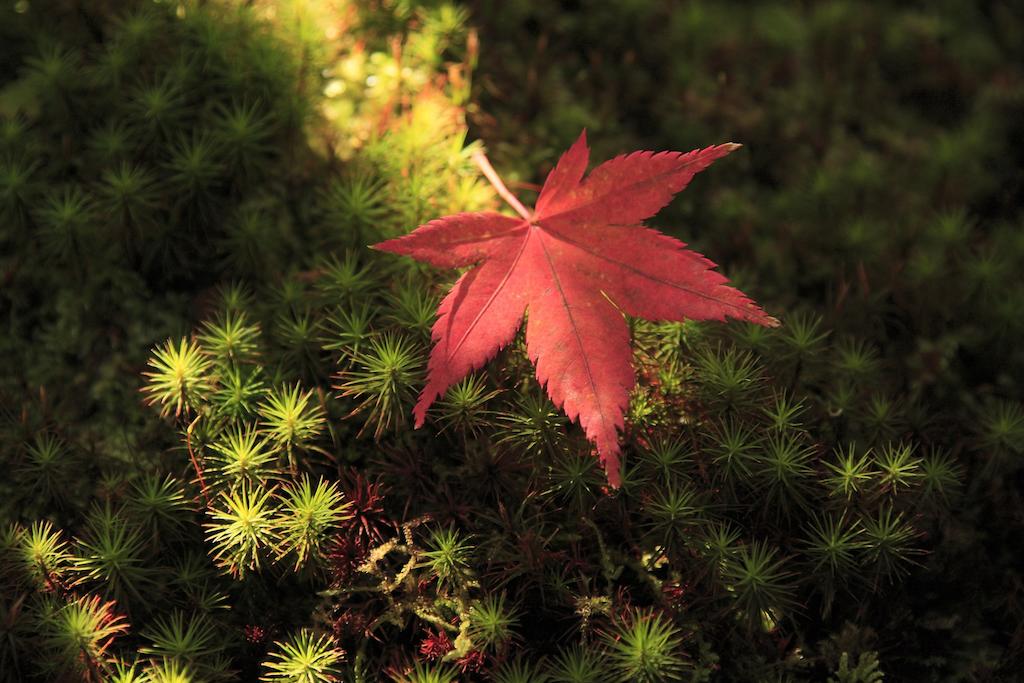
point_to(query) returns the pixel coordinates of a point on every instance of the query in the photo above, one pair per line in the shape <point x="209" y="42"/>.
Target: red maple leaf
<point x="574" y="264"/>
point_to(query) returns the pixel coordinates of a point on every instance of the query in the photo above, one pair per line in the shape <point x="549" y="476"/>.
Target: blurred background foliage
<point x="187" y="190"/>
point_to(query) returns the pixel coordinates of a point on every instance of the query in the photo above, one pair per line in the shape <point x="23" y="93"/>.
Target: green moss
<point x="199" y="181"/>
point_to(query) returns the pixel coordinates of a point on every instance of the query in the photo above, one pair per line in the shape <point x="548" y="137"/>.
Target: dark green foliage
<point x="865" y="671"/>
<point x="493" y="624"/>
<point x="188" y="640"/>
<point x="448" y="556"/>
<point x="112" y="555"/>
<point x="305" y="658"/>
<point x="199" y="183"/>
<point x="383" y="379"/>
<point x="577" y="664"/>
<point x="645" y="648"/>
<point x="46" y="467"/>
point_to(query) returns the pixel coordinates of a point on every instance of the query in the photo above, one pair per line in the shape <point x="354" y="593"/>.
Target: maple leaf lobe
<point x="566" y="174"/>
<point x="582" y="259"/>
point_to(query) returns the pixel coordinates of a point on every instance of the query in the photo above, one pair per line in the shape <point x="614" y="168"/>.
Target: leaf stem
<point x="485" y="165"/>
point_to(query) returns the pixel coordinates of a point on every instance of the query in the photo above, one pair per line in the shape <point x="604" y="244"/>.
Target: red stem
<point x="195" y="463"/>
